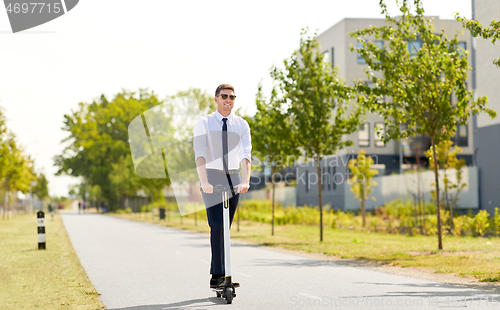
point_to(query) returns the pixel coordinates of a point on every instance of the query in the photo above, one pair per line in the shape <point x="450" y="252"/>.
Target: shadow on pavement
<point x="460" y="292"/>
<point x="292" y="263"/>
<point x="198" y="303"/>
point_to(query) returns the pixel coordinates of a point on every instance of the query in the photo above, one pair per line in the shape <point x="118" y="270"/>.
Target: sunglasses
<point x="224" y="97"/>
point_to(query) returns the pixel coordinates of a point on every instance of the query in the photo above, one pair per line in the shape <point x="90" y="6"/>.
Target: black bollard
<point x="41" y="229"/>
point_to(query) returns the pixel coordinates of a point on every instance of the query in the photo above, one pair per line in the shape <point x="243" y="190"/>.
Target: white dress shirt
<point x="207" y="142"/>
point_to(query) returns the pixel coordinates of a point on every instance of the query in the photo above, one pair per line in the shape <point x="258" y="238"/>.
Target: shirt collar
<point x="220" y="116"/>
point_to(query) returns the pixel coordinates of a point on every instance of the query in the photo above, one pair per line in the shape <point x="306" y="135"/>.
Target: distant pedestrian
<point x="51" y="211"/>
<point x="84" y="205"/>
<point x="79" y="207"/>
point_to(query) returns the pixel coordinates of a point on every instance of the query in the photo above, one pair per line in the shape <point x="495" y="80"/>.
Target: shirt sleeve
<point x="200" y="140"/>
<point x="246" y="143"/>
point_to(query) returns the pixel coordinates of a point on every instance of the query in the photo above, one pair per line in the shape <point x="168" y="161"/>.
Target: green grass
<point x="470" y="257"/>
<point x="41" y="279"/>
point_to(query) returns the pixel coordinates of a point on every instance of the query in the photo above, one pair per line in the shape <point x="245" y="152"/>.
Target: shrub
<point x="458" y="224"/>
<point x="445" y="216"/>
<point x="123" y="211"/>
<point x="481" y="222"/>
<point x="469" y="225"/>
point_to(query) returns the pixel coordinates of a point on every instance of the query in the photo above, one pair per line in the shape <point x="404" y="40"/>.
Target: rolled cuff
<point x="247" y="156"/>
<point x="198" y="154"/>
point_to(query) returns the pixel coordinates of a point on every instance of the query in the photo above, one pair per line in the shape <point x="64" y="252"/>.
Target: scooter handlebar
<point x="219" y="189"/>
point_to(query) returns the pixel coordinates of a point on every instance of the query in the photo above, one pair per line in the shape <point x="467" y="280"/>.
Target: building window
<point x="462" y="48"/>
<point x="333" y="178"/>
<point x="333" y="57"/>
<point x="322" y="178"/>
<point x="413" y="47"/>
<point x="379" y="43"/>
<point x="326" y="56"/>
<point x="329" y="178"/>
<point x="379" y="130"/>
<point x="361" y="60"/>
<point x="364" y="135"/>
<point x="370" y="84"/>
<point x="463" y="45"/>
<point x="461" y="136"/>
<point x="307" y="181"/>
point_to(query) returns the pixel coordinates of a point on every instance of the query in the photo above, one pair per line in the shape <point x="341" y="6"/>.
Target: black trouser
<point x="213" y="205"/>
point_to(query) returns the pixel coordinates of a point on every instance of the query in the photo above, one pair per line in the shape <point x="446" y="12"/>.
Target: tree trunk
<point x="272" y="203"/>
<point x="438" y="205"/>
<point x="415" y="204"/>
<point x="320" y="200"/>
<point x="423" y="213"/>
<point x="363" y="209"/>
<point x="452" y="202"/>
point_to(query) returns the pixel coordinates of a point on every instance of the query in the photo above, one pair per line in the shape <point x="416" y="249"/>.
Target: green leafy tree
<point x="477" y="30"/>
<point x="361" y="180"/>
<point x="41" y="190"/>
<point x="98" y="137"/>
<point x="318" y="105"/>
<point x="123" y="177"/>
<point x="275" y="145"/>
<point x="417" y="83"/>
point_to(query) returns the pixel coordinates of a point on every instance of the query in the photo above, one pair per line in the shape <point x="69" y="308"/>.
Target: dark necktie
<point x="224" y="145"/>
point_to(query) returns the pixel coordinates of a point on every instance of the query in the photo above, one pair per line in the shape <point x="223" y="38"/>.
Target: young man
<point x="221" y="142"/>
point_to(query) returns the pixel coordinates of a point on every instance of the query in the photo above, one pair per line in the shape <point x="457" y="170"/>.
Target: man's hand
<point x="242" y="188"/>
<point x="207" y="188"/>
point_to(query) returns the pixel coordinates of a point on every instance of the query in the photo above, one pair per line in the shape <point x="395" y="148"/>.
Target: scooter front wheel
<point x="229" y="295"/>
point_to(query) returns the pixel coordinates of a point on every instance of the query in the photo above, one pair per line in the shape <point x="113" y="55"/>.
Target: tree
<point x="98" y="137"/>
<point x="361" y="179"/>
<point x="275" y="141"/>
<point x="318" y="105"/>
<point x="41" y="189"/>
<point x="418" y="83"/>
<point x="447" y="159"/>
<point x="477" y="30"/>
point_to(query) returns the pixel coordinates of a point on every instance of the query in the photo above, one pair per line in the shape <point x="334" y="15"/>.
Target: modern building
<point x="487" y="130"/>
<point x="393" y="156"/>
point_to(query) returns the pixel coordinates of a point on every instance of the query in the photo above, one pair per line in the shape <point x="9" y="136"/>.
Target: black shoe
<point x="213" y="282"/>
<point x="222" y="282"/>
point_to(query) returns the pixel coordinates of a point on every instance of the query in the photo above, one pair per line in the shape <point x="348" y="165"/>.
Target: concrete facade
<point x="335" y="43"/>
<point x="486" y="130"/>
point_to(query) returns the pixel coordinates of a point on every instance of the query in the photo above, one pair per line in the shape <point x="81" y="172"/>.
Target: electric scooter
<point x="228" y="291"/>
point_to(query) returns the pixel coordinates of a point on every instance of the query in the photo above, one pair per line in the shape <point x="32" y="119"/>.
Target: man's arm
<point x="202" y="174"/>
<point x="245" y="176"/>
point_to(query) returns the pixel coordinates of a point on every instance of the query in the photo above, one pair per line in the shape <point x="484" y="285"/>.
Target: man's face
<point x="224" y="106"/>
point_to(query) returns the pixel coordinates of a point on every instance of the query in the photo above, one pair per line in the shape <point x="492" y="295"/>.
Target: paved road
<point x="143" y="266"/>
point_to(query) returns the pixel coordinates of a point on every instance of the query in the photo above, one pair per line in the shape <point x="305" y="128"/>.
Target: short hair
<point x="221" y="87"/>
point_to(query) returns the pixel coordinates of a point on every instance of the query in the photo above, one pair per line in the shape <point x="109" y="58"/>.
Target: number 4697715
<point x="34" y="8"/>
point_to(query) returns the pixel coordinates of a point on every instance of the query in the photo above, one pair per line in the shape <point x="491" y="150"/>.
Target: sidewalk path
<point x="142" y="266"/>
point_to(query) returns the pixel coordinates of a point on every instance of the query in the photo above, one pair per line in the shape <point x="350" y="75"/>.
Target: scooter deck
<point x="221" y="289"/>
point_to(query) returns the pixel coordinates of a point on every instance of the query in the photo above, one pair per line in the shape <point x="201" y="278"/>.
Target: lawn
<point x="41" y="279"/>
<point x="469" y="257"/>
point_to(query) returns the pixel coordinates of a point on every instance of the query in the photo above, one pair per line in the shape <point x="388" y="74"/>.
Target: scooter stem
<point x="227" y="245"/>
